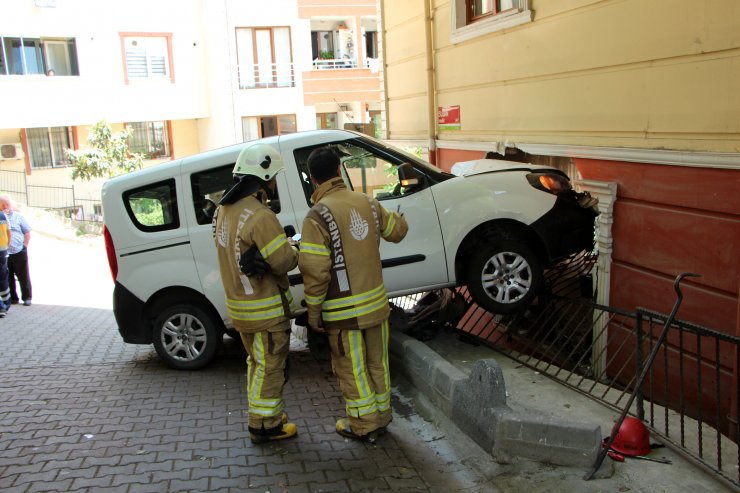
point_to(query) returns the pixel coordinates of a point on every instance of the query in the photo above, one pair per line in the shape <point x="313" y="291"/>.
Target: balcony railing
<point x="264" y="75"/>
<point x="334" y="64"/>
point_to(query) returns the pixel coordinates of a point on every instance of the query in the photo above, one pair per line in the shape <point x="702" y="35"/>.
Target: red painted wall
<point x="667" y="220"/>
<point x="447" y="157"/>
<point x="671" y="219"/>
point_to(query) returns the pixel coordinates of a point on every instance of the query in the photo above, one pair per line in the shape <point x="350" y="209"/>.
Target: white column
<point x="606" y="192"/>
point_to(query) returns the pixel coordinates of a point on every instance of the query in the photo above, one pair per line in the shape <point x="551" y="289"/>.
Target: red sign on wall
<point x="448" y="117"/>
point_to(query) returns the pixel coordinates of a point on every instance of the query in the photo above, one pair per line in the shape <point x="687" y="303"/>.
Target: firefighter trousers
<point x="360" y="361"/>
<point x="267" y="353"/>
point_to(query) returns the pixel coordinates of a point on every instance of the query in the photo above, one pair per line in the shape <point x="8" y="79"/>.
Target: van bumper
<point x="129" y="313"/>
<point x="567" y="228"/>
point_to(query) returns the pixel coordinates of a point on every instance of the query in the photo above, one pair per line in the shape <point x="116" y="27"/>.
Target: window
<point x="36" y="56"/>
<point x="264" y="57"/>
<point x="46" y="146"/>
<point x="256" y="127"/>
<point x="377" y="122"/>
<point x="326" y="120"/>
<point x="147" y="56"/>
<point x="150" y="139"/>
<point x="370" y="167"/>
<point x="153" y="207"/>
<point x="322" y="45"/>
<point x="472" y="18"/>
<point x="208" y="188"/>
<point x="371" y="44"/>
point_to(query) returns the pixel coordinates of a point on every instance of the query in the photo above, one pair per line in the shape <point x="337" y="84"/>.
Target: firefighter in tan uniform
<point x="254" y="257"/>
<point x="344" y="291"/>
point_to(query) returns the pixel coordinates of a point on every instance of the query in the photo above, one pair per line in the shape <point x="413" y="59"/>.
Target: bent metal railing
<point x="689" y="397"/>
<point x="690" y="394"/>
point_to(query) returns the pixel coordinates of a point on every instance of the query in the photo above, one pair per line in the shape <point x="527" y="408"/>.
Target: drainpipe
<point x="431" y="83"/>
<point x="385" y="130"/>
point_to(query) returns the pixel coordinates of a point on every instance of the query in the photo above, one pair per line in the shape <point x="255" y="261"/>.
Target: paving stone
<point x="151" y="425"/>
<point x="328" y="487"/>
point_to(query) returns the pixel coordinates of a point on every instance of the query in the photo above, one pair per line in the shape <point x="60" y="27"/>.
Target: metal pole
<point x="649" y="363"/>
<point x="639" y="366"/>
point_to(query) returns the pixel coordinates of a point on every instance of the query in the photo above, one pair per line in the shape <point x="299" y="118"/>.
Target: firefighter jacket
<point x="340" y="257"/>
<point x="254" y="303"/>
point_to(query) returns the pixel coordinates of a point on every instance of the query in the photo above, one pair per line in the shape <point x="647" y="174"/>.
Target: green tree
<point x="107" y="154"/>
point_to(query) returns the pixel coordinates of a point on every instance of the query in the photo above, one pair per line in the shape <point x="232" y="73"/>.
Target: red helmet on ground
<point x="633" y="438"/>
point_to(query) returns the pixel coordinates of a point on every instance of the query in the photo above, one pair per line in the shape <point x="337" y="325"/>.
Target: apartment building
<point x="184" y="75"/>
<point x="636" y="99"/>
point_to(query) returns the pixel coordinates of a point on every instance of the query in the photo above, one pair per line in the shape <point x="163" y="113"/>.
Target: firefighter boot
<point x="281" y="432"/>
<point x="344" y="429"/>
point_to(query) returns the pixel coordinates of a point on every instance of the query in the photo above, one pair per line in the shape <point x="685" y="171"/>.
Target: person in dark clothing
<point x="17" y="253"/>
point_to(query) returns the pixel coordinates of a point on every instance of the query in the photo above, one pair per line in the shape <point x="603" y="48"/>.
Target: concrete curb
<point x="476" y="404"/>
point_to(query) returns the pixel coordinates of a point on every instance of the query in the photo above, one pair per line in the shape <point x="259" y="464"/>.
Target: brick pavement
<point x="82" y="411"/>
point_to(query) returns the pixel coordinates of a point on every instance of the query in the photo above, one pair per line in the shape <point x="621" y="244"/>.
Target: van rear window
<point x="153" y="207"/>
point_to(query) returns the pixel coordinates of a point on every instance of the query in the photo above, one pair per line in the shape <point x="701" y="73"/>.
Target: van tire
<point x="504" y="276"/>
<point x="186" y="337"/>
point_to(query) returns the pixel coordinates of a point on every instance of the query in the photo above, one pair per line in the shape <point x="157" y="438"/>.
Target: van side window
<point x="153" y="207"/>
<point x="208" y="187"/>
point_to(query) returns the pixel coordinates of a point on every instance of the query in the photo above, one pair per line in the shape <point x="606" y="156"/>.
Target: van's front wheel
<point x="186" y="337"/>
<point x="504" y="276"/>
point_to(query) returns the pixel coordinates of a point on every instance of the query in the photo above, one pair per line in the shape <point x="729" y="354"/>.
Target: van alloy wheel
<point x="186" y="337"/>
<point x="504" y="276"/>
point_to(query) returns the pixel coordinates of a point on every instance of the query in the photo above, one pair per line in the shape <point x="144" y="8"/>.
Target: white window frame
<point x="56" y="159"/>
<point x="461" y="31"/>
<point x="147" y="43"/>
<point x="265" y="57"/>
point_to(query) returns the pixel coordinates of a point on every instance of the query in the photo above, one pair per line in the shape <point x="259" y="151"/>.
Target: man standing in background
<point x="17" y="252"/>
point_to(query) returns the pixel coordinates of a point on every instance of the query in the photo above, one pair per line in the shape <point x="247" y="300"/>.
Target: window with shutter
<point x="147" y="56"/>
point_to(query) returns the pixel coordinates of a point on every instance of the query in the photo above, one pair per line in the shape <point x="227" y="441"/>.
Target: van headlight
<point x="549" y="182"/>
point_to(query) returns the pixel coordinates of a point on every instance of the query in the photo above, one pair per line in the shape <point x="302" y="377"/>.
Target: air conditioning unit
<point x="11" y="151"/>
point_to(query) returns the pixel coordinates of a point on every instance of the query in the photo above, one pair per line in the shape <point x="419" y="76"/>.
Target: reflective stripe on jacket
<point x="254" y="304"/>
<point x="340" y="257"/>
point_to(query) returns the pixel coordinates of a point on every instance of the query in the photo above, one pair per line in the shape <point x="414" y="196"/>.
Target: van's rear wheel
<point x="186" y="337"/>
<point x="504" y="276"/>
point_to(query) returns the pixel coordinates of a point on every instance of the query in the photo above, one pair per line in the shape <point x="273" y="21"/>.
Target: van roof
<point x="309" y="136"/>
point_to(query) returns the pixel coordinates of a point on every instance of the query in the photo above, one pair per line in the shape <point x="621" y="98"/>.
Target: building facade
<point x="184" y="75"/>
<point x="639" y="98"/>
<point x="636" y="100"/>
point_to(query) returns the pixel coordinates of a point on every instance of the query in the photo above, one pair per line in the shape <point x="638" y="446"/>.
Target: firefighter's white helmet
<point x="260" y="160"/>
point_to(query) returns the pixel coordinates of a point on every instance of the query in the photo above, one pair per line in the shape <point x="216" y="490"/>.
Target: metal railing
<point x="266" y="75"/>
<point x="60" y="199"/>
<point x="334" y="64"/>
<point x="689" y="398"/>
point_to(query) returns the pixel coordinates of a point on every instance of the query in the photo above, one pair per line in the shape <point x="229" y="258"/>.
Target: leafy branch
<point x="107" y="154"/>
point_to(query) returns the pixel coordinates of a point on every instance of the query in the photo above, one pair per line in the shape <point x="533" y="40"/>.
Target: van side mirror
<point x="407" y="176"/>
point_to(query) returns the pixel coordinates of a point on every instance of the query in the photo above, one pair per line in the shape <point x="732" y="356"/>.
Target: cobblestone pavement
<point x="82" y="411"/>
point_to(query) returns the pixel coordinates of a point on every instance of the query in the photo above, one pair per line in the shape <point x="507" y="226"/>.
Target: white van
<point x="495" y="229"/>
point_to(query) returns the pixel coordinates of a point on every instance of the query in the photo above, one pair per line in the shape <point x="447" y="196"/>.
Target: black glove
<point x="253" y="264"/>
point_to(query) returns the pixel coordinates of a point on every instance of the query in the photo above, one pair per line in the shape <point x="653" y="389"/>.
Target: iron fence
<point x="59" y="199"/>
<point x="689" y="397"/>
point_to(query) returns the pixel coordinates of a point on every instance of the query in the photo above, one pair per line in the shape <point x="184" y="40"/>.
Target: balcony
<point x="266" y="75"/>
<point x="334" y="64"/>
<point x="331" y="82"/>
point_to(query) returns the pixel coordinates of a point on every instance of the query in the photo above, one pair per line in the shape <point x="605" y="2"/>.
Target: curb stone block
<point x="547" y="440"/>
<point x="477" y="405"/>
<point x="480" y="401"/>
